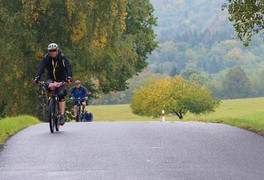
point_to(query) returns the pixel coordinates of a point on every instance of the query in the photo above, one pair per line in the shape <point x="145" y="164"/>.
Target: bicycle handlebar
<point x="41" y="83"/>
<point x="51" y="85"/>
<point x="45" y="83"/>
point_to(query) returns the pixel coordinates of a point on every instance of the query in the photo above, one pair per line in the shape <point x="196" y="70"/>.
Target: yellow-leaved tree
<point x="174" y="95"/>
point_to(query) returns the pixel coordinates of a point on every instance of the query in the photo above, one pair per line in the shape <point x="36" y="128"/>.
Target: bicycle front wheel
<point x="51" y="115"/>
<point x="57" y="120"/>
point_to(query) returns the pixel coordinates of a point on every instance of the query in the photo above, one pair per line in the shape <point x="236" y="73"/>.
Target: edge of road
<point x="1" y="147"/>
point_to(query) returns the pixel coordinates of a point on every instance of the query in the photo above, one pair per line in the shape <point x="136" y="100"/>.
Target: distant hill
<point x="197" y="41"/>
<point x="197" y="36"/>
<point x="175" y="16"/>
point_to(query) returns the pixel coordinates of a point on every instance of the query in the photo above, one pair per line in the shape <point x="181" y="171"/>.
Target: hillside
<point x="176" y="16"/>
<point x="195" y="36"/>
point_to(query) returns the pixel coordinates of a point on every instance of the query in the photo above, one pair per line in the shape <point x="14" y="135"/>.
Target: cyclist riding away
<point x="58" y="69"/>
<point x="81" y="92"/>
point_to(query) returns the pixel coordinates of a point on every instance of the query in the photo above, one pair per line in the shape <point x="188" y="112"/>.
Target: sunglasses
<point x="52" y="50"/>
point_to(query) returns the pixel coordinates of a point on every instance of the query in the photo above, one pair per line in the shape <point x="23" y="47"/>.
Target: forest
<point x="196" y="37"/>
<point x="107" y="43"/>
<point x="116" y="45"/>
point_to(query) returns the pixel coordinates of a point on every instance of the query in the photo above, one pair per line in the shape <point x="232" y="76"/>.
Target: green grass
<point x="11" y="125"/>
<point x="244" y="113"/>
<point x="115" y="113"/>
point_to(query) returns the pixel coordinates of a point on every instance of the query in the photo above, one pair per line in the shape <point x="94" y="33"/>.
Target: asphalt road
<point x="133" y="150"/>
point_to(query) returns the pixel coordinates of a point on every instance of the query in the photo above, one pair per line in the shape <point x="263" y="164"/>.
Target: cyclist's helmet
<point x="77" y="82"/>
<point x="53" y="46"/>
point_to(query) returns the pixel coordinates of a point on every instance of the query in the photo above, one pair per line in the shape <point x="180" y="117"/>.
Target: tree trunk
<point x="180" y="116"/>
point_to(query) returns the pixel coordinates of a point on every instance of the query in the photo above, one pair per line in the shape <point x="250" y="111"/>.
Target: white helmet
<point x="53" y="46"/>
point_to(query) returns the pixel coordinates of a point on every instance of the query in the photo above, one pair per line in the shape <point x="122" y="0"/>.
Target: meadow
<point x="245" y="113"/>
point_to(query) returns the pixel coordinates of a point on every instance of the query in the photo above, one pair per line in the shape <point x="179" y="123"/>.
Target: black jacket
<point x="58" y="68"/>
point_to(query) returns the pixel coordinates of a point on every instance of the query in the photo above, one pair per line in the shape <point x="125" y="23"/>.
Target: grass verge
<point x="11" y="125"/>
<point x="243" y="113"/>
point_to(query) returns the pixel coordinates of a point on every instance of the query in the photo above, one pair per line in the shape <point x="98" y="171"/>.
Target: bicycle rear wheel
<point x="51" y="115"/>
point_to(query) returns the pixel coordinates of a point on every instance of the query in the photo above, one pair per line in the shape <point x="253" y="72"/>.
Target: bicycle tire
<point x="51" y="115"/>
<point x="56" y="117"/>
<point x="78" y="117"/>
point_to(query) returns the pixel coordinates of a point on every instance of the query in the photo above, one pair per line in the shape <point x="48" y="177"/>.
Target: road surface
<point x="133" y="150"/>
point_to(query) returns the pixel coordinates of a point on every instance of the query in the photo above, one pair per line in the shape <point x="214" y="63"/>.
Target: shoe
<point x="62" y="120"/>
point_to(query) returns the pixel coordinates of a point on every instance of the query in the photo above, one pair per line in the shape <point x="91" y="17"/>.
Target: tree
<point x="258" y="83"/>
<point x="107" y="42"/>
<point x="236" y="84"/>
<point x="195" y="76"/>
<point x="125" y="97"/>
<point x="174" y="95"/>
<point x="186" y="73"/>
<point x="247" y="17"/>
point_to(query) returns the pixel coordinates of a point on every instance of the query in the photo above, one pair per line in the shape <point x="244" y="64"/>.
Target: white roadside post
<point x="163" y="116"/>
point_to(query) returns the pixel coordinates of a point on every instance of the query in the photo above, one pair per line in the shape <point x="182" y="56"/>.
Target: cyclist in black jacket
<point x="58" y="69"/>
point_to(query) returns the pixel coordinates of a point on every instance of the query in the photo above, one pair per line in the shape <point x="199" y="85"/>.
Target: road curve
<point x="133" y="150"/>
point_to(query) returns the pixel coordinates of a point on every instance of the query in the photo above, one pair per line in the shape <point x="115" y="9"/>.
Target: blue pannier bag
<point x="87" y="116"/>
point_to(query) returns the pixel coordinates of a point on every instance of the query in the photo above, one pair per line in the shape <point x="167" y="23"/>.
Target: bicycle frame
<point x="54" y="111"/>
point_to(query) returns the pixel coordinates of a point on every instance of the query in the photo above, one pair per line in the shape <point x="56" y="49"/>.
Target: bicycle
<point x="52" y="105"/>
<point x="79" y="114"/>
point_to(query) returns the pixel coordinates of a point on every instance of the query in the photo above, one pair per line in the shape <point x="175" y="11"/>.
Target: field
<point x="244" y="113"/>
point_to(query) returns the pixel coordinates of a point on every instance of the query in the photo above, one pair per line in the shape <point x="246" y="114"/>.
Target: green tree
<point x="258" y="83"/>
<point x="199" y="78"/>
<point x="195" y="76"/>
<point x="174" y="95"/>
<point x="237" y="85"/>
<point x="186" y="73"/>
<point x="125" y="97"/>
<point x="247" y="17"/>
